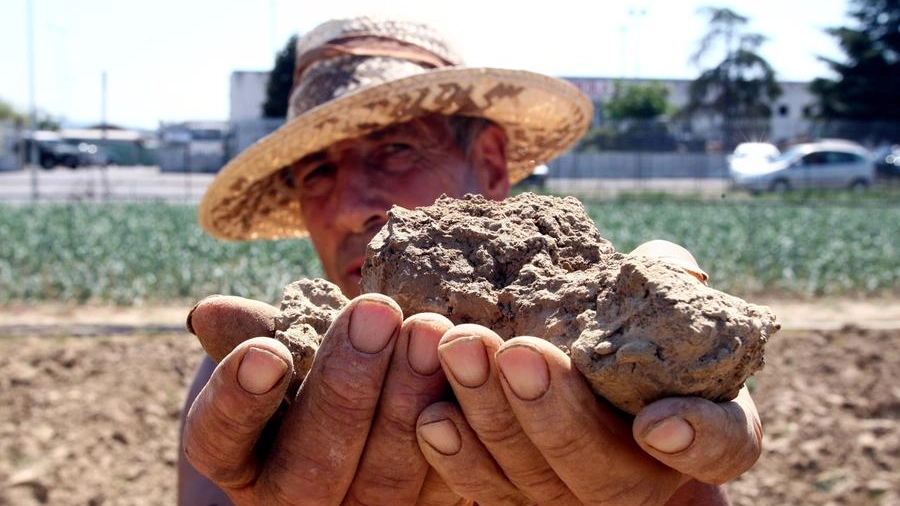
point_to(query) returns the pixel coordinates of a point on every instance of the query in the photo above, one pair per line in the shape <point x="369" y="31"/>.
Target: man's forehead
<point x="412" y="128"/>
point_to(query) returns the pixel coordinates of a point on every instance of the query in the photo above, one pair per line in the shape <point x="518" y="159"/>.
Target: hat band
<point x="367" y="45"/>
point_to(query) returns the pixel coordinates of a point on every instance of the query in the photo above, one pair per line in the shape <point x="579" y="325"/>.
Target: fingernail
<point x="441" y="435"/>
<point x="372" y="325"/>
<point x="525" y="370"/>
<point x="467" y="360"/>
<point x="260" y="371"/>
<point x="421" y="351"/>
<point x="670" y="435"/>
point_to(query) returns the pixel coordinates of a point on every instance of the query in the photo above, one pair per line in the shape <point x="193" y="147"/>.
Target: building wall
<point x="789" y="118"/>
<point x="248" y="92"/>
<point x="9" y="159"/>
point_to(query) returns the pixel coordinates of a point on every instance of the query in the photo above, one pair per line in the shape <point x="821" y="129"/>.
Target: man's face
<point x="346" y="190"/>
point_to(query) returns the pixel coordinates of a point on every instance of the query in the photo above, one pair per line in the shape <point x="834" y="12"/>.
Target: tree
<point x="637" y="109"/>
<point x="281" y="81"/>
<point x="631" y="120"/>
<point x="740" y="90"/>
<point x="867" y="87"/>
<point x="43" y="120"/>
<point x="9" y="113"/>
<point x="637" y="101"/>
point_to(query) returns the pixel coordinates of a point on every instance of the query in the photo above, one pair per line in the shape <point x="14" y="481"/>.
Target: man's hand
<point x="348" y="437"/>
<point x="528" y="429"/>
<point x="526" y="420"/>
<point x="525" y="427"/>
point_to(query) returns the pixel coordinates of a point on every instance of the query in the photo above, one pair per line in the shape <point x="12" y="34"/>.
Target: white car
<point x="537" y="178"/>
<point x="750" y="153"/>
<point x="823" y="164"/>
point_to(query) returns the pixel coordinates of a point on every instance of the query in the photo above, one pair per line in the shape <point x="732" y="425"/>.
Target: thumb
<point x="221" y="322"/>
<point x="712" y="442"/>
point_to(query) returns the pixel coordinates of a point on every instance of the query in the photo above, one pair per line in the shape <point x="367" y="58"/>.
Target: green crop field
<point x="156" y="253"/>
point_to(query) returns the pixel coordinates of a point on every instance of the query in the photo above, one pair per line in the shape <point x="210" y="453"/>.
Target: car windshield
<point x="789" y="155"/>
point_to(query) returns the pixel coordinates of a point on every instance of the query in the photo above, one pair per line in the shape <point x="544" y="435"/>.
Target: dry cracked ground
<point x="90" y="399"/>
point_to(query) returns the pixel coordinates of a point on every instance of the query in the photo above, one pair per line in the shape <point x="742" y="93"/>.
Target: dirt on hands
<point x="638" y="328"/>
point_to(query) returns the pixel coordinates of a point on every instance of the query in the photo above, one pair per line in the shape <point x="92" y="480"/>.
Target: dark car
<point x="887" y="161"/>
<point x="52" y="153"/>
<point x="92" y="155"/>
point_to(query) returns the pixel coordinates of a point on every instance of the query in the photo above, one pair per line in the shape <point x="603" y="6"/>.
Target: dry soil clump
<point x="638" y="328"/>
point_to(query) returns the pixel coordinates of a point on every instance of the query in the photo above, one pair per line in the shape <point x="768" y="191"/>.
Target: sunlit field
<point x="156" y="253"/>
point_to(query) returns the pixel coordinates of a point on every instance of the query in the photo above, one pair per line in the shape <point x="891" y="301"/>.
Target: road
<point x="148" y="183"/>
<point x="101" y="184"/>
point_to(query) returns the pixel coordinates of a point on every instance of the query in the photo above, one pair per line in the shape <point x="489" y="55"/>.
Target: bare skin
<point x="372" y="424"/>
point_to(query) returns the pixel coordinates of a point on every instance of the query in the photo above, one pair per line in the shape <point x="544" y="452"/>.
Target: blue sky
<point x="170" y="60"/>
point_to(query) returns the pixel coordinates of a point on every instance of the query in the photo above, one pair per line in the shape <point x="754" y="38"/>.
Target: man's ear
<point x="488" y="156"/>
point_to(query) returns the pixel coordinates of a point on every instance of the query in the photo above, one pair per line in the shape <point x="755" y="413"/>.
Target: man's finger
<point x="673" y="254"/>
<point x="436" y="492"/>
<point x="316" y="453"/>
<point x="393" y="470"/>
<point x="459" y="457"/>
<point x="221" y="322"/>
<point x="466" y="353"/>
<point x="243" y="394"/>
<point x="712" y="442"/>
<point x="561" y="415"/>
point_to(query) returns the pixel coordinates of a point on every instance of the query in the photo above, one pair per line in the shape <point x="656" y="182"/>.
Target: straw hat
<point x="356" y="76"/>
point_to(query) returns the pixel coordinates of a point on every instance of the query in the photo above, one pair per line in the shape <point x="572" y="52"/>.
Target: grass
<point x="156" y="253"/>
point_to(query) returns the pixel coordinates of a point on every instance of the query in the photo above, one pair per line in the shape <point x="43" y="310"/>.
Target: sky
<point x="137" y="63"/>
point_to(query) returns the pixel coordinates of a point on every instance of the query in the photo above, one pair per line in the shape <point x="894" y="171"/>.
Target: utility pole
<point x="637" y="15"/>
<point x="32" y="107"/>
<point x="103" y="135"/>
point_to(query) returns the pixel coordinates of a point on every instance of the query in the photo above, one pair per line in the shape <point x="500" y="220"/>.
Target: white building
<point x="248" y="92"/>
<point x="790" y="118"/>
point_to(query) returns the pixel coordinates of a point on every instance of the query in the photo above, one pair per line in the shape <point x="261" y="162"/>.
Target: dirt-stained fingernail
<point x="441" y="435"/>
<point x="467" y="360"/>
<point x="421" y="351"/>
<point x="260" y="371"/>
<point x="525" y="370"/>
<point x="372" y="325"/>
<point x="670" y="435"/>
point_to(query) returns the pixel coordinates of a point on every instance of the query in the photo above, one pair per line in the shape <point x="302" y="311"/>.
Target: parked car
<point x="92" y="155"/>
<point x="750" y="153"/>
<point x="537" y="179"/>
<point x="887" y="161"/>
<point x="824" y="164"/>
<point x="53" y="153"/>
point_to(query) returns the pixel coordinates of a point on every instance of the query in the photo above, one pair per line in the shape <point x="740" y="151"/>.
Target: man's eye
<point x="396" y="147"/>
<point x="394" y="157"/>
<point x="318" y="181"/>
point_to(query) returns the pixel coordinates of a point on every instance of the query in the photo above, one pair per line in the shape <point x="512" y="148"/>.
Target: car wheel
<point x="781" y="186"/>
<point x="860" y="185"/>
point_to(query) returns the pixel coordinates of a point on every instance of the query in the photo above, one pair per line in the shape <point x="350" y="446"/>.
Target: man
<point x="384" y="113"/>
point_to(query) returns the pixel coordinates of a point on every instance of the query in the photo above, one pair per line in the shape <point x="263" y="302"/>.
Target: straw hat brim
<point x="542" y="117"/>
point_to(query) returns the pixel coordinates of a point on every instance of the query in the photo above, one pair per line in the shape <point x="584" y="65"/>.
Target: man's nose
<point x="360" y="201"/>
